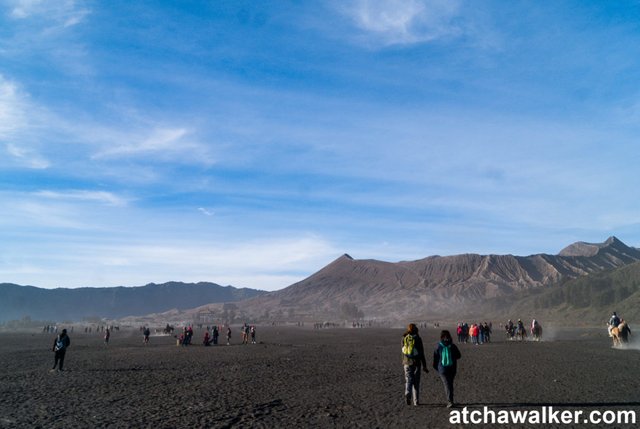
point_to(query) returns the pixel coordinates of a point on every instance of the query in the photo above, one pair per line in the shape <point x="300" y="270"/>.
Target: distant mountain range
<point x="437" y="286"/>
<point x="582" y="282"/>
<point x="62" y="304"/>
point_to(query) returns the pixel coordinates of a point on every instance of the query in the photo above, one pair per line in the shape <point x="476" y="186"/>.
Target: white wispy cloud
<point x="31" y="214"/>
<point x="51" y="212"/>
<point x="171" y="144"/>
<point x="30" y="133"/>
<point x="15" y="124"/>
<point x="27" y="157"/>
<point x="12" y="108"/>
<point x="64" y="13"/>
<point x="101" y="197"/>
<point x="392" y="22"/>
<point x="205" y="211"/>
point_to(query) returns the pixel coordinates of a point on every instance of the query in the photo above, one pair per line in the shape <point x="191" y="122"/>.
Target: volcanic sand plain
<point x="301" y="377"/>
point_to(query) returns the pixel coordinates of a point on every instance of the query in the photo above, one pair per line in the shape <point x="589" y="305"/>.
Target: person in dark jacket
<point x="60" y="345"/>
<point x="215" y="335"/>
<point x="413" y="359"/>
<point x="445" y="358"/>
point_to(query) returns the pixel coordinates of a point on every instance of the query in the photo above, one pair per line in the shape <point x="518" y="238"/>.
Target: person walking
<point x="60" y="345"/>
<point x="215" y="335"/>
<point x="107" y="335"/>
<point x="146" y="332"/>
<point x="413" y="360"/>
<point x="445" y="358"/>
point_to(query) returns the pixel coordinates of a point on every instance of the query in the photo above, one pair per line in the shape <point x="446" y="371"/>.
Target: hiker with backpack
<point x="60" y="345"/>
<point x="413" y="360"/>
<point x="445" y="359"/>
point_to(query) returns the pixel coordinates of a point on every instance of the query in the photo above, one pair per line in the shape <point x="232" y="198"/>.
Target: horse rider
<point x="615" y="320"/>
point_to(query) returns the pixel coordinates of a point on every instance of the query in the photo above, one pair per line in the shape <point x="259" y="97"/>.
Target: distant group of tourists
<point x="186" y="336"/>
<point x="477" y="333"/>
<point x="324" y="325"/>
<point x="211" y="339"/>
<point x="212" y="335"/>
<point x="248" y="332"/>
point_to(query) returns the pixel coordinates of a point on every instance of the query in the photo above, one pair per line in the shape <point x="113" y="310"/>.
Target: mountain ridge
<point x="436" y="284"/>
<point x="429" y="287"/>
<point x="18" y="301"/>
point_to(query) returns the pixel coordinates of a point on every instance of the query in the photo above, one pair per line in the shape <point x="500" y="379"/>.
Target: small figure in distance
<point x="107" y="335"/>
<point x="445" y="359"/>
<point x="60" y="345"/>
<point x="146" y="332"/>
<point x="413" y="360"/>
<point x="215" y="335"/>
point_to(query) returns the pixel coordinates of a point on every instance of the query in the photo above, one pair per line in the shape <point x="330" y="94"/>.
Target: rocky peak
<point x="582" y="248"/>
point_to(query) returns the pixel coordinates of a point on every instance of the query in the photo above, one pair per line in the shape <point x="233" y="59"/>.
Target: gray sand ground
<point x="299" y="377"/>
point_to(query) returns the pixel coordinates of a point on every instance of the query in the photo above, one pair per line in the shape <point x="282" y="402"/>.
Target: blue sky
<point x="251" y="142"/>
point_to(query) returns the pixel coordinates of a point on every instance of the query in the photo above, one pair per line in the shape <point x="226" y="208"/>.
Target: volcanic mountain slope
<point x="589" y="298"/>
<point x="437" y="284"/>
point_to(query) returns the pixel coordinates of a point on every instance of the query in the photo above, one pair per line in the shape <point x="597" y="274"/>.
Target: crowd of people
<point x="476" y="333"/>
<point x="212" y="335"/>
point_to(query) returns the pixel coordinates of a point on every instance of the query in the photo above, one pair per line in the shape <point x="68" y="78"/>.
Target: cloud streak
<point x="14" y="127"/>
<point x="170" y="144"/>
<point x="101" y="197"/>
<point x="399" y="22"/>
<point x="63" y="13"/>
<point x="205" y="211"/>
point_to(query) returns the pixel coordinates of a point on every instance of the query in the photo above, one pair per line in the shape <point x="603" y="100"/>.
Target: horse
<point x="521" y="333"/>
<point x="623" y="332"/>
<point x="510" y="331"/>
<point x="536" y="331"/>
<point x="614" y="333"/>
